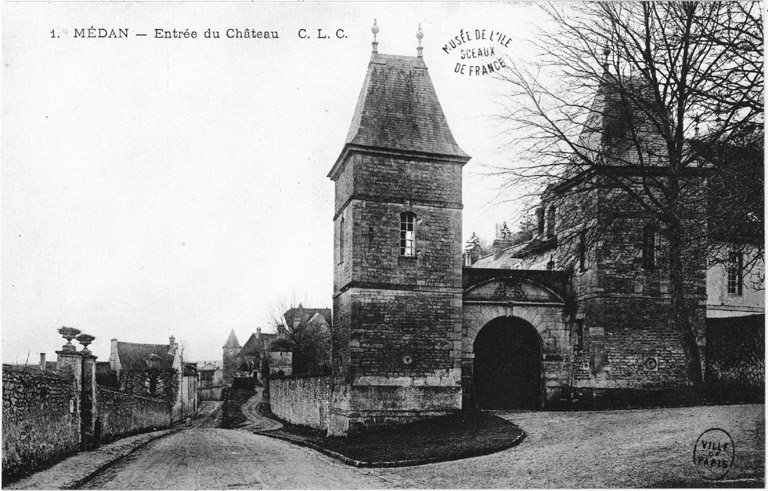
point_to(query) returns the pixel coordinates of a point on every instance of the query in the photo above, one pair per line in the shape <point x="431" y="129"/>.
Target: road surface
<point x="638" y="448"/>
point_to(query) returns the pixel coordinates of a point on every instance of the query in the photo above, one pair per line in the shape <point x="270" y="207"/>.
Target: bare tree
<point x="626" y="112"/>
<point x="308" y="331"/>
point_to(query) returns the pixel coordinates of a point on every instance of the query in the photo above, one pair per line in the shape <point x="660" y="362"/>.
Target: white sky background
<point x="157" y="187"/>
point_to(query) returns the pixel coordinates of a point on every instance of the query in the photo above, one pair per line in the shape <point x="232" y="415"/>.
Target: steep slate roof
<point x="614" y="115"/>
<point x="398" y="109"/>
<point x="133" y="355"/>
<point x="232" y="341"/>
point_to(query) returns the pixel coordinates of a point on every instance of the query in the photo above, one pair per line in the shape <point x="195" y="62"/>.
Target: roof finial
<point x="419" y="36"/>
<point x="606" y="53"/>
<point x="375" y="30"/>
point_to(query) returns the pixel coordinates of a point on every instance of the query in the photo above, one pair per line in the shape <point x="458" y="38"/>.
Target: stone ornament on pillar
<point x="69" y="333"/>
<point x="85" y="340"/>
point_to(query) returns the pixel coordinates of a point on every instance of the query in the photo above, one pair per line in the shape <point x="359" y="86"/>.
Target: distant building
<point x="210" y="380"/>
<point x="231" y="351"/>
<point x="246" y="361"/>
<point x="309" y="331"/>
<point x="155" y="370"/>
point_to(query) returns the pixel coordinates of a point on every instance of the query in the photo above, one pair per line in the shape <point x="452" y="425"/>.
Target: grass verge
<point x="231" y="415"/>
<point x="462" y="435"/>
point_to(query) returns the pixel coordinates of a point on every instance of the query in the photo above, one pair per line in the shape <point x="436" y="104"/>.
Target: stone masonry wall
<point x="124" y="414"/>
<point x="396" y="179"/>
<point x="40" y="419"/>
<point x="380" y="189"/>
<point x="414" y="335"/>
<point x="301" y="400"/>
<point x="630" y="341"/>
<point x="735" y="365"/>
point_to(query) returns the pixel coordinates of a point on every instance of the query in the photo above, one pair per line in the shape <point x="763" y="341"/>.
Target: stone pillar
<point x="68" y="357"/>
<point x="88" y="410"/>
<point x="69" y="360"/>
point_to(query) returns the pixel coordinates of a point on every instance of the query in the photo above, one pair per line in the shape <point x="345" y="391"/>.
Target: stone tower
<point x="397" y="298"/>
<point x="231" y="351"/>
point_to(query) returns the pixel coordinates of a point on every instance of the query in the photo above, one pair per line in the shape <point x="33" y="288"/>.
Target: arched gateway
<point x="507" y="365"/>
<point x="516" y="344"/>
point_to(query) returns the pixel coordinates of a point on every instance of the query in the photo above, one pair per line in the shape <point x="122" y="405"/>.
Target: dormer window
<point x="408" y="234"/>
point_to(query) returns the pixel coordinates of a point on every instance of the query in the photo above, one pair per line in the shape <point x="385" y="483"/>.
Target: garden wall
<point x="735" y="358"/>
<point x="125" y="414"/>
<point x="40" y="418"/>
<point x="301" y="400"/>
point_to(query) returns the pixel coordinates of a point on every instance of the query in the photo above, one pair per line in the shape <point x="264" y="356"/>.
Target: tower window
<point x="540" y="221"/>
<point x="650" y="245"/>
<point x="583" y="250"/>
<point x="551" y="222"/>
<point x="341" y="240"/>
<point x="407" y="234"/>
<point x="579" y="334"/>
<point x="735" y="273"/>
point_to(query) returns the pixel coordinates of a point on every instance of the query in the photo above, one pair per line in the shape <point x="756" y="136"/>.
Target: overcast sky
<point x="157" y="187"/>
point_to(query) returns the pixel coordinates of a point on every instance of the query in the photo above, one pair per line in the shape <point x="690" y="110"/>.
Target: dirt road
<point x="618" y="449"/>
<point x="211" y="458"/>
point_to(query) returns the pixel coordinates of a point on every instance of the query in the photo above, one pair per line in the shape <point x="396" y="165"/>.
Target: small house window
<point x="407" y="234"/>
<point x="551" y="222"/>
<point x="735" y="273"/>
<point x="650" y="245"/>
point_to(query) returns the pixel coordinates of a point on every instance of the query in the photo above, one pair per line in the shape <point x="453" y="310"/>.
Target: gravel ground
<point x="617" y="449"/>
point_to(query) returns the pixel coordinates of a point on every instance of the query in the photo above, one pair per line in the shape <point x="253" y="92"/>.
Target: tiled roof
<point x="232" y="341"/>
<point x="190" y="369"/>
<point x="133" y="356"/>
<point x="398" y="109"/>
<point x="307" y="314"/>
<point x="257" y="343"/>
<point x="252" y="347"/>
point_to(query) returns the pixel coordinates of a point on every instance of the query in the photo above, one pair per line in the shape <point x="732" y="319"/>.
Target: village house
<point x="156" y="370"/>
<point x="210" y="380"/>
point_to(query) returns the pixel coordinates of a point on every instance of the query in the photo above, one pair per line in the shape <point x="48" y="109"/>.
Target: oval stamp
<point x="713" y="454"/>
<point x="478" y="52"/>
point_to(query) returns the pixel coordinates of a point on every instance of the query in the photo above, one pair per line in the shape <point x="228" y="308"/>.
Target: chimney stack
<point x="172" y="345"/>
<point x="42" y="361"/>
